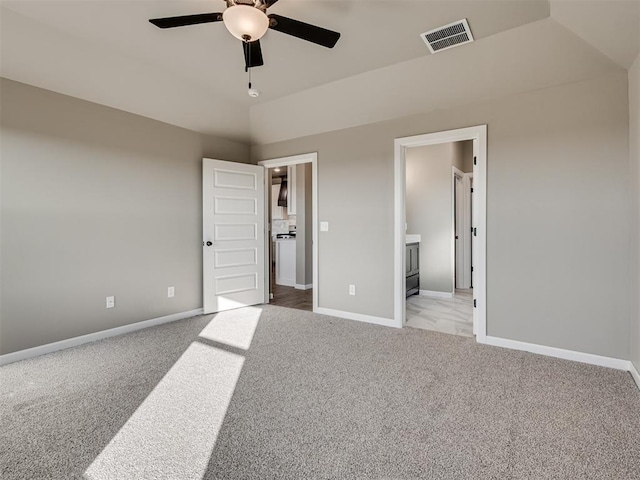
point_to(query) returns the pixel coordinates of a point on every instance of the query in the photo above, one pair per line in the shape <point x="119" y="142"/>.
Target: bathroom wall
<point x="429" y="204"/>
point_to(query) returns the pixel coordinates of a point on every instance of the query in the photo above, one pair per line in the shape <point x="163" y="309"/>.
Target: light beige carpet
<point x="270" y="392"/>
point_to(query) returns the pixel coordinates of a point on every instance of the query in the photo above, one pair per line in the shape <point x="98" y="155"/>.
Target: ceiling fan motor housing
<point x="259" y="4"/>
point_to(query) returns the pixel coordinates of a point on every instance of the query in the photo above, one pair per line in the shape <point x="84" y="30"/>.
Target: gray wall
<point x="429" y="212"/>
<point x="464" y="156"/>
<point x="558" y="212"/>
<point x="304" y="235"/>
<point x="634" y="146"/>
<point x="95" y="202"/>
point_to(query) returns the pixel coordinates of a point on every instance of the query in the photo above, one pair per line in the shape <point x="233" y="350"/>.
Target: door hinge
<point x="471" y="189"/>
<point x="475" y="160"/>
<point x="474" y="303"/>
<point x="475" y="232"/>
<point x="472" y="269"/>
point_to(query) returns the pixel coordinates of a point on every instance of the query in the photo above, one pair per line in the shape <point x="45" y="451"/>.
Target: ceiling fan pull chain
<point x="248" y="66"/>
<point x="247" y="49"/>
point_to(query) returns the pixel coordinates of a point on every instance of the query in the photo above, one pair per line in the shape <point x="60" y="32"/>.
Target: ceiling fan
<point x="248" y="21"/>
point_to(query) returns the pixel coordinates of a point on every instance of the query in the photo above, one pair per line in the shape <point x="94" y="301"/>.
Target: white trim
<point x="304" y="287"/>
<point x="292" y="160"/>
<point x="312" y="158"/>
<point x="479" y="136"/>
<point x="387" y="322"/>
<point x="456" y="171"/>
<point x="581" y="357"/>
<point x="434" y="294"/>
<point x="92" y="337"/>
<point x="634" y="374"/>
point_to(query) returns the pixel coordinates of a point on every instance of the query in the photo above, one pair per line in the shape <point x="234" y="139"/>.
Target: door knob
<point x="209" y="244"/>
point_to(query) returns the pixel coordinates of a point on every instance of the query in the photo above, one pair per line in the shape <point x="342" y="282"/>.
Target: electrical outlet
<point x="324" y="226"/>
<point x="171" y="292"/>
<point x="352" y="289"/>
<point x="111" y="302"/>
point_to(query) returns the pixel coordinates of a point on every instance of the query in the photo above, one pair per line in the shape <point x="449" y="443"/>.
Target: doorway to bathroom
<point x="438" y="216"/>
<point x="440" y="235"/>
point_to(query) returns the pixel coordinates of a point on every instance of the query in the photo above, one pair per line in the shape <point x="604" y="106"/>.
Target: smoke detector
<point x="448" y="36"/>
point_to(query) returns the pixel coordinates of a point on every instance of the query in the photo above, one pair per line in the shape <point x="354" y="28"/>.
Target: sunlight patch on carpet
<point x="173" y="432"/>
<point x="233" y="327"/>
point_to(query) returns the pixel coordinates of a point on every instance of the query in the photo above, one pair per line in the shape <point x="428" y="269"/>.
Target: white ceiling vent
<point x="448" y="36"/>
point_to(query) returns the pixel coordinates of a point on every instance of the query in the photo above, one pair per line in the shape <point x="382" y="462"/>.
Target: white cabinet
<point x="286" y="262"/>
<point x="291" y="185"/>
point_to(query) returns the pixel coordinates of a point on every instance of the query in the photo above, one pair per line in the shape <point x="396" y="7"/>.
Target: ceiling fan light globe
<point x="244" y="22"/>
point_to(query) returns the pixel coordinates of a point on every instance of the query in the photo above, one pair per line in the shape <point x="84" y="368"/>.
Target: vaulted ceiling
<point x="106" y="52"/>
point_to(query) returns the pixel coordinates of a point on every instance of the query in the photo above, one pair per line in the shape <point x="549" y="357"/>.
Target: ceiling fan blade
<point x="252" y="54"/>
<point x="268" y="3"/>
<point x="184" y="20"/>
<point x="305" y="31"/>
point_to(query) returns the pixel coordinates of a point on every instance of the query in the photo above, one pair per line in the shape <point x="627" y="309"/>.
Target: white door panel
<point x="474" y="223"/>
<point x="233" y="235"/>
<point x="459" y="216"/>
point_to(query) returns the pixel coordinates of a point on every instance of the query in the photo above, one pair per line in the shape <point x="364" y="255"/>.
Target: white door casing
<point x="233" y="203"/>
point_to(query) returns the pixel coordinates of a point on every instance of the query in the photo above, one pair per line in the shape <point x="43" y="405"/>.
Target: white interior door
<point x="233" y="235"/>
<point x="459" y="231"/>
<point x="466" y="228"/>
<point x="474" y="225"/>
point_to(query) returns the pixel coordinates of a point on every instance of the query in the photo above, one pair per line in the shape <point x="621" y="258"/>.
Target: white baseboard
<point x="304" y="287"/>
<point x="581" y="357"/>
<point x="387" y="322"/>
<point x="434" y="294"/>
<point x="634" y="373"/>
<point x="92" y="337"/>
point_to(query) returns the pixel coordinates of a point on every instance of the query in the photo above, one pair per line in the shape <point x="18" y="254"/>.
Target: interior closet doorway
<point x="291" y="264"/>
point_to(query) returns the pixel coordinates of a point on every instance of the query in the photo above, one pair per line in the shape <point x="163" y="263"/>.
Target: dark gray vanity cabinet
<point x="413" y="268"/>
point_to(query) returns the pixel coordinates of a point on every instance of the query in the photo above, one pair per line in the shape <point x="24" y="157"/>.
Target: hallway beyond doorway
<point x="291" y="297"/>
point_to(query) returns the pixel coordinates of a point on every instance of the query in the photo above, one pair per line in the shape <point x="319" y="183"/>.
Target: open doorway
<point x="438" y="250"/>
<point x="291" y="198"/>
<point x="472" y="248"/>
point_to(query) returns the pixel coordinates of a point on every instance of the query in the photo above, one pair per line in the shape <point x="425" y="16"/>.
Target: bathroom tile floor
<point x="445" y="315"/>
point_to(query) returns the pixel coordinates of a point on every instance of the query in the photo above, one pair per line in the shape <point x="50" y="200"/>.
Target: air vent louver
<point x="448" y="36"/>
